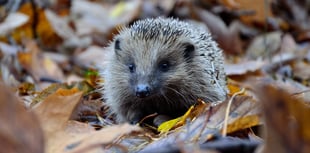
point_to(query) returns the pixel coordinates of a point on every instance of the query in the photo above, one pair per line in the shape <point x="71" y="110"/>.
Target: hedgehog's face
<point x="153" y="67"/>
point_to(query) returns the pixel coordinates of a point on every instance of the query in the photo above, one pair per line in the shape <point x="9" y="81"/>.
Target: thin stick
<point x="224" y="132"/>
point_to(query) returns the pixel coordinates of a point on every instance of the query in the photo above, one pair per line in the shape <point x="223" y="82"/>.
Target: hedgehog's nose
<point x="142" y="90"/>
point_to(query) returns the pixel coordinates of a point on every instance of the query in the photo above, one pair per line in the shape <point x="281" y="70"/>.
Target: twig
<point x="224" y="132"/>
<point x="148" y="116"/>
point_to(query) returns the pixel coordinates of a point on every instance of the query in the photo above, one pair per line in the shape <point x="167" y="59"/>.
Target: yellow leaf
<point x="167" y="126"/>
<point x="233" y="88"/>
<point x="171" y="124"/>
<point x="118" y="9"/>
<point x="243" y="123"/>
<point x="191" y="113"/>
<point x="67" y="92"/>
<point x="46" y="92"/>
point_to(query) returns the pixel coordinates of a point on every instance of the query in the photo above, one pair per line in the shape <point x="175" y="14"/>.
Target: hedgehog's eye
<point x="132" y="68"/>
<point x="164" y="66"/>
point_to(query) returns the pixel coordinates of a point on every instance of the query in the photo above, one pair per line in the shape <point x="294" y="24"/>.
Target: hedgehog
<point x="162" y="65"/>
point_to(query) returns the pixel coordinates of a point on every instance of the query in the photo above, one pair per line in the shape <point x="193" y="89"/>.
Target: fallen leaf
<point x="191" y="113"/>
<point x="227" y="36"/>
<point x="287" y="125"/>
<point x="11" y="22"/>
<point x="26" y="88"/>
<point x="61" y="26"/>
<point x="57" y="110"/>
<point x="243" y="67"/>
<point x="7" y="49"/>
<point x="92" y="57"/>
<point x="167" y="126"/>
<point x="243" y="123"/>
<point x="46" y="92"/>
<point x="258" y="11"/>
<point x="20" y="130"/>
<point x="66" y="92"/>
<point x="37" y="26"/>
<point x="94" y="17"/>
<point x="299" y="70"/>
<point x="151" y="8"/>
<point x="265" y="45"/>
<point x="209" y="122"/>
<point x="37" y="65"/>
<point x="64" y="136"/>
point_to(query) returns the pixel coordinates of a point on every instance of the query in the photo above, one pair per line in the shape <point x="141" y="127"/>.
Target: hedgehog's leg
<point x="134" y="116"/>
<point x="130" y="114"/>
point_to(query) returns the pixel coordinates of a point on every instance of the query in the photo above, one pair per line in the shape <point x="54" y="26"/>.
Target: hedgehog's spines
<point x="195" y="71"/>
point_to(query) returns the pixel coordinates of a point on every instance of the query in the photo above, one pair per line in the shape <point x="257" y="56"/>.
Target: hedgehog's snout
<point x="143" y="90"/>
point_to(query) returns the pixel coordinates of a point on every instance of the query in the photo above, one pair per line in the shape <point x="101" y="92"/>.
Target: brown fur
<point x="148" y="42"/>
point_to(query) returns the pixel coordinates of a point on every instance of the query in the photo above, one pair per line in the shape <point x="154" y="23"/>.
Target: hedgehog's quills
<point x="163" y="66"/>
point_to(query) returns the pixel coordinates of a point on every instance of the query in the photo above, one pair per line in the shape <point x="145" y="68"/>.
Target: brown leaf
<point x="211" y="121"/>
<point x="287" y="121"/>
<point x="61" y="134"/>
<point x="61" y="26"/>
<point x="36" y="26"/>
<point x="259" y="10"/>
<point x="19" y="129"/>
<point x="243" y="67"/>
<point x="300" y="70"/>
<point x="56" y="109"/>
<point x="227" y="37"/>
<point x="265" y="45"/>
<point x="38" y="65"/>
<point x="103" y="17"/>
<point x="93" y="56"/>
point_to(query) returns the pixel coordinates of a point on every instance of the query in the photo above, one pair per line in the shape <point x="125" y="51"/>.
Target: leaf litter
<point x="51" y="52"/>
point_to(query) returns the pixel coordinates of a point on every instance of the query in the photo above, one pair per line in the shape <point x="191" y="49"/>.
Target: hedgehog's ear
<point x="117" y="45"/>
<point x="189" y="50"/>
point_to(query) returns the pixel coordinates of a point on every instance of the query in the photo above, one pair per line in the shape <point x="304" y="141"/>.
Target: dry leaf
<point x="19" y="129"/>
<point x="61" y="26"/>
<point x="11" y="22"/>
<point x="265" y="45"/>
<point x="93" y="17"/>
<point x="92" y="57"/>
<point x="36" y="26"/>
<point x="66" y="92"/>
<point x="227" y="37"/>
<point x="243" y="123"/>
<point x="191" y="113"/>
<point x="259" y="11"/>
<point x="287" y="124"/>
<point x="38" y="65"/>
<point x="300" y="70"/>
<point x="54" y="113"/>
<point x="243" y="67"/>
<point x="171" y="124"/>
